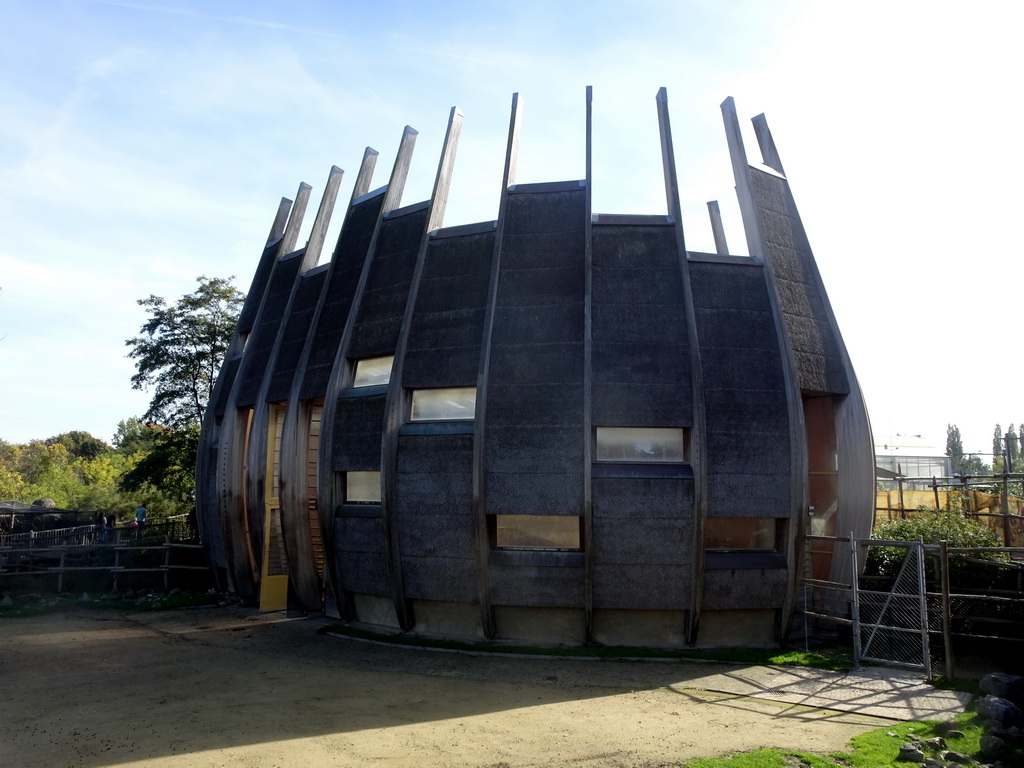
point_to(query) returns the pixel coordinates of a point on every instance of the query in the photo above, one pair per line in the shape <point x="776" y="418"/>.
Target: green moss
<point x="739" y="655"/>
<point x="874" y="749"/>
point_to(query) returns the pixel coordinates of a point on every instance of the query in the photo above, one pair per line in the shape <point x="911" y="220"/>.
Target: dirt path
<point x="229" y="687"/>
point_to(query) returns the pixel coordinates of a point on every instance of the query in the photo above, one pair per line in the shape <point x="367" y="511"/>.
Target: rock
<point x="1010" y="687"/>
<point x="992" y="746"/>
<point x="931" y="762"/>
<point x="957" y="757"/>
<point x="910" y="753"/>
<point x="945" y="727"/>
<point x="7" y="602"/>
<point x="999" y="711"/>
<point x="937" y="743"/>
<point x="84" y="598"/>
<point x="174" y="591"/>
<point x="955" y="734"/>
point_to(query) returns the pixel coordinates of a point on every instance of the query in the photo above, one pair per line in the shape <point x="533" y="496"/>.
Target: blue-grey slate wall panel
<point x="359" y="423"/>
<point x="359" y="555"/>
<point x="643" y="539"/>
<point x="534" y="450"/>
<point x="538" y="586"/>
<point x="641" y="358"/>
<point x="256" y="359"/>
<point x="749" y="588"/>
<point x="434" y="505"/>
<point x="816" y="347"/>
<point x="349" y="256"/>
<point x="296" y="328"/>
<point x="643" y="586"/>
<point x="443" y="348"/>
<point x="748" y="444"/>
<point x="382" y="306"/>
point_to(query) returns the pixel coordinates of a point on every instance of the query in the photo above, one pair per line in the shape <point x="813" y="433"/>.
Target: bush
<point x="934" y="526"/>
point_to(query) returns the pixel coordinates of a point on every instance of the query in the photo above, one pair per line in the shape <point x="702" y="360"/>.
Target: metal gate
<point x="891" y="627"/>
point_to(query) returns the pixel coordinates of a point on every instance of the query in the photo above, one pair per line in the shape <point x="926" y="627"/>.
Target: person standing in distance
<point x="140" y="515"/>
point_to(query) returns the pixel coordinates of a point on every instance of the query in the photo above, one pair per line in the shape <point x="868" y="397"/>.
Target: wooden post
<point x="899" y="485"/>
<point x="699" y="433"/>
<point x="588" y="378"/>
<point x="717" y="230"/>
<point x="935" y="490"/>
<point x="947" y="635"/>
<point x="483" y="546"/>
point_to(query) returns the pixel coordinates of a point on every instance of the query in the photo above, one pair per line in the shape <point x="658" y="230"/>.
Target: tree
<point x="954" y="448"/>
<point x="997" y="449"/>
<point x="135" y="436"/>
<point x="80" y="444"/>
<point x="181" y="348"/>
<point x="178" y="355"/>
<point x="1012" y="449"/>
<point x="170" y="468"/>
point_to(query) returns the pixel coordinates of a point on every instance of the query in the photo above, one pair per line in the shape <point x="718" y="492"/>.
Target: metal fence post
<point x="947" y="635"/>
<point x="854" y="602"/>
<point x="923" y="602"/>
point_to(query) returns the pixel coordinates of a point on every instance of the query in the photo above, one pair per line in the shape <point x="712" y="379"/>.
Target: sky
<point x="145" y="143"/>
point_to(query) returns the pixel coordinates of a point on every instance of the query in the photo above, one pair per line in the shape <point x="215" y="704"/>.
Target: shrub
<point x="934" y="526"/>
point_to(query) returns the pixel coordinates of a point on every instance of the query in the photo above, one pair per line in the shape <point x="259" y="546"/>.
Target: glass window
<point x="362" y="487"/>
<point x="537" y="532"/>
<point x="373" y="371"/>
<point x="443" y="404"/>
<point x="643" y="444"/>
<point x="742" y="534"/>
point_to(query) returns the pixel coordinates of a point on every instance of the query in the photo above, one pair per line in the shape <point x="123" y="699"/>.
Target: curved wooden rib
<point x="483" y="546"/>
<point x="329" y="490"/>
<point x="305" y="575"/>
<point x="699" y="432"/>
<point x="207" y="452"/>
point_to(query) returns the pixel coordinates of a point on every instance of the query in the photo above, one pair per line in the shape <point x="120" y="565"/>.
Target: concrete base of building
<point x="737" y="629"/>
<point x="643" y="629"/>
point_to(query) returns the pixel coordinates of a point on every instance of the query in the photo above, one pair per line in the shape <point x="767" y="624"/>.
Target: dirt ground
<point x="231" y="687"/>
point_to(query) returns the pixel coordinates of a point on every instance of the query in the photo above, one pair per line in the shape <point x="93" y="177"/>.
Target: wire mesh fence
<point x="924" y="606"/>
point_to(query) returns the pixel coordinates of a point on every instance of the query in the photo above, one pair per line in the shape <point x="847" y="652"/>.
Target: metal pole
<point x="947" y="635"/>
<point x="854" y="602"/>
<point x="923" y="602"/>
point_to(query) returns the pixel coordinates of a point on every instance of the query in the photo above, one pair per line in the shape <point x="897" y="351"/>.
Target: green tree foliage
<point x="962" y="464"/>
<point x="169" y="467"/>
<point x="135" y="436"/>
<point x="1012" y="446"/>
<point x="80" y="444"/>
<point x="177" y="355"/>
<point x="997" y="449"/>
<point x="181" y="348"/>
<point x="954" y="448"/>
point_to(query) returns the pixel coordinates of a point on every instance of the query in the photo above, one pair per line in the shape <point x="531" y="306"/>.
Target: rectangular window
<point x="362" y="487"/>
<point x="641" y="444"/>
<point x="373" y="371"/>
<point x="536" y="532"/>
<point x="457" y="404"/>
<point x="743" y="534"/>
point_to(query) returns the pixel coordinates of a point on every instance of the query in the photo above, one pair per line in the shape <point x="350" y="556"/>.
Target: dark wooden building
<point x="559" y="426"/>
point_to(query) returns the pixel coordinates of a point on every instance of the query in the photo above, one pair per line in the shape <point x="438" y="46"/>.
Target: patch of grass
<point x="767" y="758"/>
<point x="874" y="749"/>
<point x="149" y="602"/>
<point x="739" y="655"/>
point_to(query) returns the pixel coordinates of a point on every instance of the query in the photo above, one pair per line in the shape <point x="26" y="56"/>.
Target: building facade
<point x="559" y="426"/>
